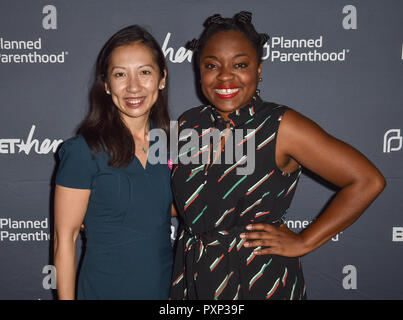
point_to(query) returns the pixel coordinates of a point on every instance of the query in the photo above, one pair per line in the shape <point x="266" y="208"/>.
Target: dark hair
<point x="241" y="22"/>
<point x="103" y="128"/>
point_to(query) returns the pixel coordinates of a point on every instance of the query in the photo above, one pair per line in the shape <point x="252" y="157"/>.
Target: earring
<point x="162" y="86"/>
<point x="108" y="92"/>
<point x="260" y="79"/>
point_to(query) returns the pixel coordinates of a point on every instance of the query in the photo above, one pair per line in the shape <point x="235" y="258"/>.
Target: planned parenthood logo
<point x="24" y="230"/>
<point x="22" y="51"/>
<point x="28" y="52"/>
<point x="392" y="141"/>
<point x="283" y="49"/>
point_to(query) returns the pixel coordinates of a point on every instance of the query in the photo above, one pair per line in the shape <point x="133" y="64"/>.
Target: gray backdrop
<point x="348" y="79"/>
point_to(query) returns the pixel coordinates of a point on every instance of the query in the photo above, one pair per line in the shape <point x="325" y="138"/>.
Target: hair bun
<point x="264" y="37"/>
<point x="193" y="44"/>
<point x="217" y="19"/>
<point x="243" y="17"/>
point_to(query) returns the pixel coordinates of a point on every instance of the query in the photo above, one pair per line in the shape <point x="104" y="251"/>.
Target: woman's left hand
<point x="274" y="240"/>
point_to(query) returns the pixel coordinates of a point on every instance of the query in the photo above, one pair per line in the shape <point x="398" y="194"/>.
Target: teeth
<point x="226" y="91"/>
<point x="134" y="101"/>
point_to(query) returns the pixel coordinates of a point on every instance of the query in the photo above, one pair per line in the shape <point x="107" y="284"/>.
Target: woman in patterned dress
<point x="233" y="243"/>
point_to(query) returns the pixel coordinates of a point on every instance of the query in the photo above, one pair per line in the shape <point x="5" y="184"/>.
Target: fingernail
<point x="249" y="227"/>
<point x="242" y="235"/>
<point x="246" y="244"/>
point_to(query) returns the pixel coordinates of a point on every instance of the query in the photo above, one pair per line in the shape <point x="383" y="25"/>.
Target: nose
<point x="133" y="83"/>
<point x="225" y="73"/>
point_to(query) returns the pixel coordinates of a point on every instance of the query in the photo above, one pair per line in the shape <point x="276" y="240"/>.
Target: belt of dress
<point x="197" y="245"/>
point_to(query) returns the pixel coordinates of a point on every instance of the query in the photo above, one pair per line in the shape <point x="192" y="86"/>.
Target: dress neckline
<point x="239" y="116"/>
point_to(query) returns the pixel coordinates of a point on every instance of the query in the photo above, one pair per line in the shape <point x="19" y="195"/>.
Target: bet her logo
<point x="181" y="54"/>
<point x="10" y="146"/>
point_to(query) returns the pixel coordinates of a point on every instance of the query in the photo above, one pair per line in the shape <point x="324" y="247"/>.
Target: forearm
<point x="65" y="263"/>
<point x="345" y="208"/>
<point x="70" y="208"/>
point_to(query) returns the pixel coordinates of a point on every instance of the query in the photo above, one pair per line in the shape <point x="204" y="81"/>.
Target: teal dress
<point x="128" y="253"/>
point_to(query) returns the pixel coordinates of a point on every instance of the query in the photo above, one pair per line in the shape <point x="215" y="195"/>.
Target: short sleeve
<point x="77" y="166"/>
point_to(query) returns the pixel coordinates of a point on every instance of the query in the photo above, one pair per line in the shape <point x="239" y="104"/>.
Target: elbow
<point x="63" y="240"/>
<point x="368" y="185"/>
<point x="376" y="183"/>
<point x="379" y="182"/>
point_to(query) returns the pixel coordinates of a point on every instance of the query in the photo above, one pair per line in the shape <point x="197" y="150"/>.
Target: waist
<point x="216" y="237"/>
<point x="106" y="236"/>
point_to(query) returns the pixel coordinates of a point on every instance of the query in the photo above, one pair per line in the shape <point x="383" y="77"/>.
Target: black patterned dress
<point x="215" y="203"/>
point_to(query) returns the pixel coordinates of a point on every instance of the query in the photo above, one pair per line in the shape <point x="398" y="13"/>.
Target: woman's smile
<point x="226" y="92"/>
<point x="229" y="71"/>
<point x="134" y="102"/>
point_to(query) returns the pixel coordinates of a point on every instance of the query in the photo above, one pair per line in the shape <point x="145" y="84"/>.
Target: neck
<point x="225" y="114"/>
<point x="139" y="127"/>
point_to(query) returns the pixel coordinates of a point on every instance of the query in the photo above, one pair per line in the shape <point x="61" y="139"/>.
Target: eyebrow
<point x="146" y="65"/>
<point x="142" y="66"/>
<point x="118" y="67"/>
<point x="234" y="57"/>
<point x="241" y="55"/>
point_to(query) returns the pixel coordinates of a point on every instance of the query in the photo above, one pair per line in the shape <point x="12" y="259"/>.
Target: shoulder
<point x="193" y="113"/>
<point x="275" y="108"/>
<point x="292" y="126"/>
<point x="295" y="121"/>
<point x="268" y="108"/>
<point x="76" y="145"/>
<point x="77" y="166"/>
<point x="298" y="134"/>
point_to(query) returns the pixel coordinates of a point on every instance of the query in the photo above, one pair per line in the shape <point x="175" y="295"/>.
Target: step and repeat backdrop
<point x="340" y="63"/>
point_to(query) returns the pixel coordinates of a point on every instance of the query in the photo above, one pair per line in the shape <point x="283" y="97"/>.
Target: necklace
<point x="138" y="140"/>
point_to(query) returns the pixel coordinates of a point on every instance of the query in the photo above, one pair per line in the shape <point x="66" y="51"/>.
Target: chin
<point x="227" y="106"/>
<point x="226" y="109"/>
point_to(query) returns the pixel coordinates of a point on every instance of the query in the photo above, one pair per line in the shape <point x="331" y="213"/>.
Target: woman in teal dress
<point x="106" y="181"/>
